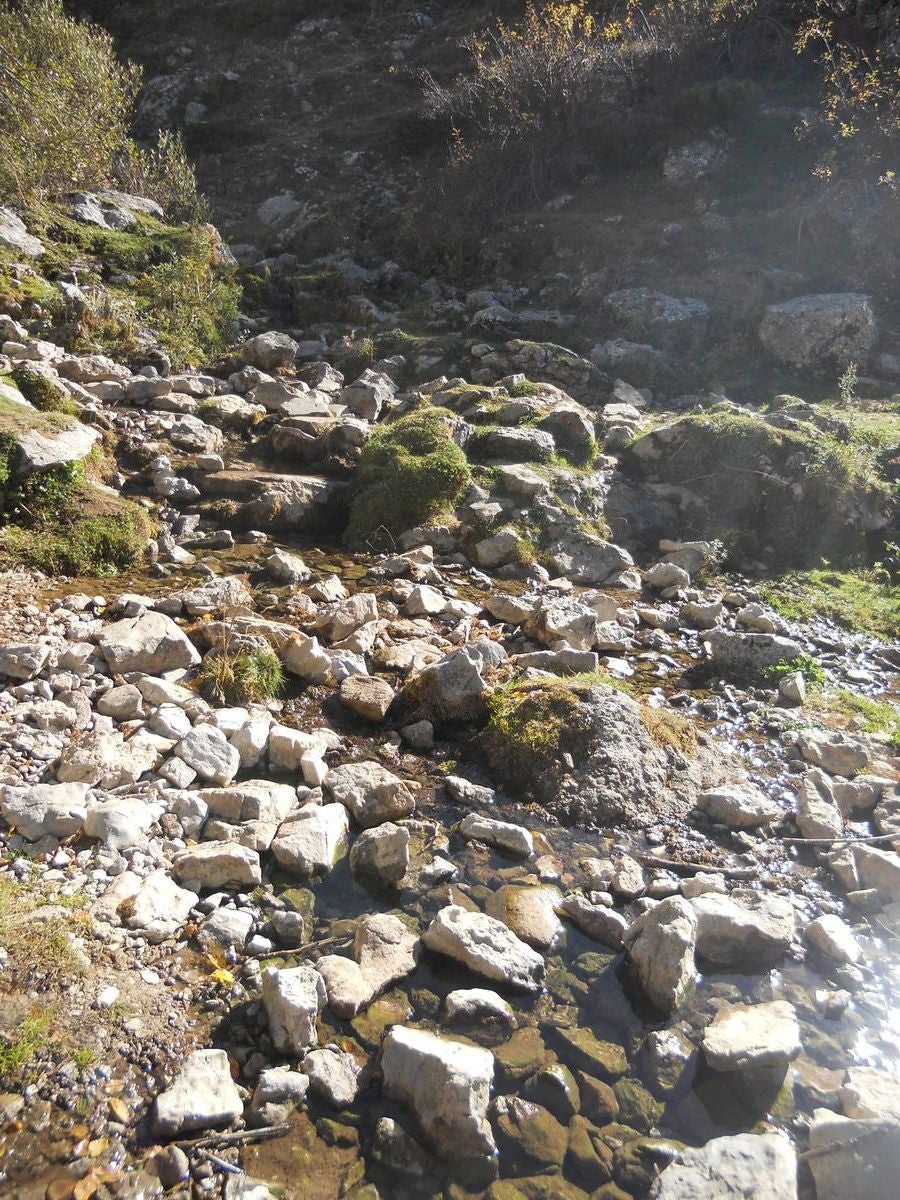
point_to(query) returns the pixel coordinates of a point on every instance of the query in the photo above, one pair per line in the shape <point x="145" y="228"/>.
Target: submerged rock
<point x="486" y="946"/>
<point x="660" y="947"/>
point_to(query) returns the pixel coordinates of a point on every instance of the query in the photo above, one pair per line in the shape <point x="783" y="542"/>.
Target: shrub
<point x="165" y="174"/>
<point x="242" y="678"/>
<point x="410" y="471"/>
<point x="65" y="101"/>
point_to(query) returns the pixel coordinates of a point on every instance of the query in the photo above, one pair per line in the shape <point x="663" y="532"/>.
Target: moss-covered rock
<point x="589" y="1160"/>
<point x="789" y="489"/>
<point x="593" y="1055"/>
<point x="411" y="471"/>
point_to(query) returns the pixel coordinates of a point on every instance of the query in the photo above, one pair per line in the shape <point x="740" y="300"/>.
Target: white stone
<point x="486" y="946"/>
<point x="203" y="1095"/>
<point x="293" y="998"/>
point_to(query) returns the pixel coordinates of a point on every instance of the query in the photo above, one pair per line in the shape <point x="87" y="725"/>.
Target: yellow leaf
<point x="221" y="975"/>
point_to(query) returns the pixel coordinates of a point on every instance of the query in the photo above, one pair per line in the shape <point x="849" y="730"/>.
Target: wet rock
<point x="202" y="1096"/>
<point x="853" y="1157"/>
<point x="446" y="1085"/>
<point x="313" y="839"/>
<point x="399" y="1151"/>
<point x="589" y="1160"/>
<point x="472" y="795"/>
<point x="530" y="912"/>
<point x="381" y="855"/>
<point x="667" y="1055"/>
<point x="486" y="946"/>
<point x="744" y="1037"/>
<point x="151" y="644"/>
<point x="529" y="1138"/>
<point x="554" y="1087"/>
<point x="513" y="839"/>
<point x="637" y="1108"/>
<point x="868" y="1093"/>
<point x="878" y="869"/>
<point x="660" y="947"/>
<point x="745" y="927"/>
<point x="599" y="922"/>
<point x="834" y="938"/>
<point x="334" y="1075"/>
<point x="477" y="1006"/>
<point x="738" y="806"/>
<point x="593" y="1055"/>
<point x="277" y="1091"/>
<point x="755" y="1166"/>
<point x="370" y="793"/>
<point x="384" y="949"/>
<point x="293" y="998"/>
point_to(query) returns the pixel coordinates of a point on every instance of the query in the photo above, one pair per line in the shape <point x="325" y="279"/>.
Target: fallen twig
<point x="818" y="1151"/>
<point x="240" y="1138"/>
<point x="839" y="841"/>
<point x="219" y="1163"/>
<point x="304" y="949"/>
<point x="691" y="868"/>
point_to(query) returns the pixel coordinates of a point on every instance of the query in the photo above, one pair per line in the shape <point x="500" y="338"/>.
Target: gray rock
<point x="738" y="806"/>
<point x="381" y="854"/>
<point x="370" y="793"/>
<point x="150" y="644"/>
<point x="828" y="330"/>
<point x="207" y="751"/>
<point x="486" y="946"/>
<point x="853" y="1157"/>
<point x="745" y="1037"/>
<point x="202" y="1096"/>
<point x="746" y="1165"/>
<point x="293" y="998"/>
<point x="660" y="947"/>
<point x="749" y="655"/>
<point x="214" y="866"/>
<point x="45" y="809"/>
<point x="745" y="927"/>
<point x="513" y="839"/>
<point x="313" y="839"/>
<point x="14" y="235"/>
<point x="446" y="1085"/>
<point x="334" y="1075"/>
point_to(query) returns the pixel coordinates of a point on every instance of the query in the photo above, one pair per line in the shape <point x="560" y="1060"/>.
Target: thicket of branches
<point x="66" y="105"/>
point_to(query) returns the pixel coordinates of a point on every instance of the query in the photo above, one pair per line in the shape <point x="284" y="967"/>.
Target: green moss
<point x="524" y="389"/>
<point x="529" y="721"/>
<point x="783" y="494"/>
<point x="30" y="1037"/>
<point x="411" y="471"/>
<point x="865" y="601"/>
<point x="242" y="678"/>
<point x="41" y="392"/>
<point x="93" y="534"/>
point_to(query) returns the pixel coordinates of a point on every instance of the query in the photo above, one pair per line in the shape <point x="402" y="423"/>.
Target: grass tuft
<point x="242" y="678"/>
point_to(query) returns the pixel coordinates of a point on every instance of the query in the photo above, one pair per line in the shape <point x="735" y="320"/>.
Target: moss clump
<point x="410" y="471"/>
<point x="865" y="601"/>
<point x="669" y="730"/>
<point x="790" y="495"/>
<point x="242" y="678"/>
<point x="90" y="533"/>
<point x="41" y="392"/>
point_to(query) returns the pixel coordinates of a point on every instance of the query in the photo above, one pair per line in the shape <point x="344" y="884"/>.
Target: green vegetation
<point x="241" y="678"/>
<point x="153" y="280"/>
<point x="810" y="668"/>
<point x="97" y="536"/>
<point x="42" y="392"/>
<point x="38" y="944"/>
<point x="786" y="495"/>
<point x="31" y="1035"/>
<point x="861" y="712"/>
<point x="865" y="600"/>
<point x="66" y="106"/>
<point x="360" y="355"/>
<point x="411" y="471"/>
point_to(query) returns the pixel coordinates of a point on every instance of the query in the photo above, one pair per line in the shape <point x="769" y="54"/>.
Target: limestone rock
<point x="293" y="998"/>
<point x="486" y="946"/>
<point x="202" y="1096"/>
<point x="660" y="947"/>
<point x="747" y="1165"/>
<point x="370" y="793"/>
<point x="151" y="644"/>
<point x="744" y="1037"/>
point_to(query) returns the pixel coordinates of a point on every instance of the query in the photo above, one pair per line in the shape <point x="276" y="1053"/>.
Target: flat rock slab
<point x="750" y="1166"/>
<point x="744" y="1037"/>
<point x="202" y="1096"/>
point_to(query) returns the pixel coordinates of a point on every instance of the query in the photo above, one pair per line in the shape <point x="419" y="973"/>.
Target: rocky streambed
<point x="530" y="881"/>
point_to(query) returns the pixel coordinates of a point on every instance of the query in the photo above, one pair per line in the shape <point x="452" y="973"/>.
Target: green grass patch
<point x="242" y="678"/>
<point x="42" y="392"/>
<point x="864" y="713"/>
<point x="30" y="1037"/>
<point x="93" y="534"/>
<point x="864" y="601"/>
<point x="810" y="668"/>
<point x="411" y="471"/>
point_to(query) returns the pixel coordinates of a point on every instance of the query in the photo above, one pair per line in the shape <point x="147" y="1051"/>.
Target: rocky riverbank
<point x="543" y="874"/>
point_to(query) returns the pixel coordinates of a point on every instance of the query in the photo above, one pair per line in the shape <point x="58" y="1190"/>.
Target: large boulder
<point x="667" y="322"/>
<point x="271" y="351"/>
<point x="750" y="1166"/>
<point x="616" y="771"/>
<point x="821" y="331"/>
<point x="446" y="1085"/>
<point x="747" y="927"/>
<point x="54" y="809"/>
<point x="854" y="1158"/>
<point x="151" y="643"/>
<point x="14" y="235"/>
<point x="370" y="793"/>
<point x="42" y="446"/>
